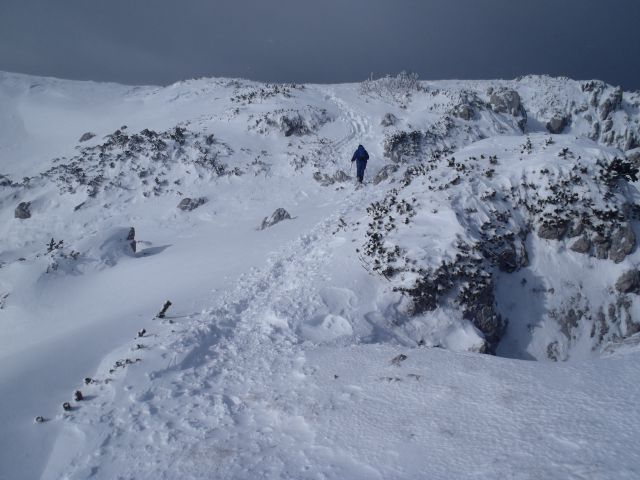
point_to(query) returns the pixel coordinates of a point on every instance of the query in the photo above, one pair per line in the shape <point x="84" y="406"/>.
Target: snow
<point x="275" y="358"/>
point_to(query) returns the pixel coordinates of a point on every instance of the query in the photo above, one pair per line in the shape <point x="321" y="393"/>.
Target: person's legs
<point x="360" y="164"/>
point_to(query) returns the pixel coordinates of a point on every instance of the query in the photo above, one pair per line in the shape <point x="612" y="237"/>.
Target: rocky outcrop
<point x="582" y="245"/>
<point x="279" y="215"/>
<point x="505" y="100"/>
<point x="553" y="230"/>
<point x="187" y="204"/>
<point x="629" y="282"/>
<point x="557" y="124"/>
<point x="623" y="241"/>
<point x="633" y="157"/>
<point x="464" y="111"/>
<point x="23" y="210"/>
<point x="612" y="103"/>
<point x="325" y="180"/>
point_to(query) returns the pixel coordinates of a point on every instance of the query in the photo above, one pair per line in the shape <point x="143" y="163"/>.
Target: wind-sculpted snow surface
<point x="497" y="217"/>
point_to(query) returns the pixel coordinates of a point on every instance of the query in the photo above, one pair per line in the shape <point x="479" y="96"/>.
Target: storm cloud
<point x="162" y="41"/>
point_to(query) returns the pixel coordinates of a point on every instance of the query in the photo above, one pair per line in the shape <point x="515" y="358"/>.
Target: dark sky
<point x="161" y="41"/>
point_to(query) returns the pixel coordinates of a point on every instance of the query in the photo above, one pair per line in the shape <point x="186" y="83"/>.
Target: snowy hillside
<point x="354" y="334"/>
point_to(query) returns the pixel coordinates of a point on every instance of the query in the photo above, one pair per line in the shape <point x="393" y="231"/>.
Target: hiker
<point x="360" y="156"/>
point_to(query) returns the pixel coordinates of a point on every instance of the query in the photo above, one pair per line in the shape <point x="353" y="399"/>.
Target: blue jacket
<point x="360" y="154"/>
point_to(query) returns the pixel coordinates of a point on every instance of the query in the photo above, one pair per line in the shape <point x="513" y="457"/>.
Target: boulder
<point x="629" y="282"/>
<point x="508" y="101"/>
<point x="557" y="124"/>
<point x="86" y="136"/>
<point x="341" y="176"/>
<point x="389" y="120"/>
<point x="508" y="261"/>
<point x="187" y="204"/>
<point x="552" y="231"/>
<point x="464" y="111"/>
<point x="23" y="210"/>
<point x="623" y="241"/>
<point x="582" y="245"/>
<point x="276" y="217"/>
<point x="602" y="246"/>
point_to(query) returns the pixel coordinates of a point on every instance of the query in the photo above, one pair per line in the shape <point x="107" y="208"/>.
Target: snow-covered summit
<point x="498" y="217"/>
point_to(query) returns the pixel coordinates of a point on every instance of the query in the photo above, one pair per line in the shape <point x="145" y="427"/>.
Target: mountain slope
<point x="499" y="217"/>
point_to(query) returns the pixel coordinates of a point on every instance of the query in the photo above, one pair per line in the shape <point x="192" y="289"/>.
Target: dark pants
<point x="360" y="166"/>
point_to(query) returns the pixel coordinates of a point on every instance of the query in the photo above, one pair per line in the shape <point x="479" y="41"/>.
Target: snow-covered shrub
<point x="398" y="88"/>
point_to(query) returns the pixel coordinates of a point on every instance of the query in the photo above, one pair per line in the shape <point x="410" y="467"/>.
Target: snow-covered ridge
<point x="499" y="217"/>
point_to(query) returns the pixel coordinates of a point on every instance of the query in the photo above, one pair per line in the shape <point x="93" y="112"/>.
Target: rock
<point x="508" y="261"/>
<point x="389" y="120"/>
<point x="557" y="124"/>
<point x="276" y="217"/>
<point x="575" y="229"/>
<point x="187" y="204"/>
<point x="131" y="238"/>
<point x="341" y="176"/>
<point x="629" y="282"/>
<point x="552" y="231"/>
<point x="384" y="173"/>
<point x="323" y="179"/>
<point x="464" y="111"/>
<point x="633" y="156"/>
<point x="602" y="246"/>
<point x="612" y="103"/>
<point x="582" y="245"/>
<point x="86" y="136"/>
<point x="508" y="101"/>
<point x="623" y="241"/>
<point x="23" y="210"/>
<point x="77" y="396"/>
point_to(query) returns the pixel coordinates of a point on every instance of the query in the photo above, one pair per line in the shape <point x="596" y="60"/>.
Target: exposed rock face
<point x="276" y="217"/>
<point x="582" y="245"/>
<point x="464" y="112"/>
<point x="384" y="173"/>
<point x="508" y="101"/>
<point x="86" y="136"/>
<point x="23" y="210"/>
<point x="629" y="282"/>
<point x="187" y="204"/>
<point x="552" y="230"/>
<point x="389" y="120"/>
<point x="633" y="156"/>
<point x="557" y="124"/>
<point x="612" y="103"/>
<point x="623" y="241"/>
